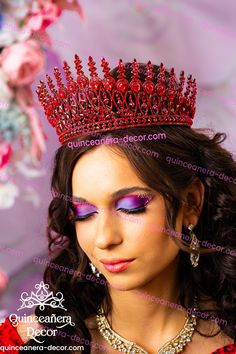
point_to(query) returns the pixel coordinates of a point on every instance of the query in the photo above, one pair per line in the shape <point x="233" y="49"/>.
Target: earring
<point x="94" y="269"/>
<point x="194" y="247"/>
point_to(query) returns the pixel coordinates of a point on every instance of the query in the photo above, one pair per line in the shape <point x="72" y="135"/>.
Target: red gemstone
<point x="95" y="82"/>
<point x="122" y="85"/>
<point x="71" y="86"/>
<point x="49" y="110"/>
<point x="188" y="102"/>
<point x="63" y="92"/>
<point x="171" y="96"/>
<point x="144" y="105"/>
<point x="149" y="87"/>
<point x="161" y="90"/>
<point x="109" y="83"/>
<point x="83" y="81"/>
<point x="55" y="103"/>
<point x="136" y="85"/>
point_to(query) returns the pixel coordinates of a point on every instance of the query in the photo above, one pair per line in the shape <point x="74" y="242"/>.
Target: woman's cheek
<point x="84" y="237"/>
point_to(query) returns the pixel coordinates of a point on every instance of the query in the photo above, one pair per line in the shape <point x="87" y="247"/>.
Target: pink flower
<point x="47" y="15"/>
<point x="22" y="62"/>
<point x="3" y="281"/>
<point x="5" y="154"/>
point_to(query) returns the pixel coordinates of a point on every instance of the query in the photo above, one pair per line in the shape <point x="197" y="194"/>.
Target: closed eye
<point x="133" y="211"/>
<point x="83" y="217"/>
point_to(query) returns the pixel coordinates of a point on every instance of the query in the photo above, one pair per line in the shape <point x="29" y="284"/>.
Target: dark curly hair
<point x="214" y="280"/>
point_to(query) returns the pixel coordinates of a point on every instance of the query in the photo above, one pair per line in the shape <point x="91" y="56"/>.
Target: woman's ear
<point x="193" y="199"/>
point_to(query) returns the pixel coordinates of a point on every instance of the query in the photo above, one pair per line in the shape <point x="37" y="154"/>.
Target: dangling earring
<point x="194" y="247"/>
<point x="94" y="269"/>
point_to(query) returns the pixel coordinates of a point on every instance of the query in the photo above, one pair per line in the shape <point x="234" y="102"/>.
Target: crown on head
<point x="87" y="105"/>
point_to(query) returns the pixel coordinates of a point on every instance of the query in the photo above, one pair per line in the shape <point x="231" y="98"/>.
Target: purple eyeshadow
<point x="133" y="201"/>
<point x="82" y="209"/>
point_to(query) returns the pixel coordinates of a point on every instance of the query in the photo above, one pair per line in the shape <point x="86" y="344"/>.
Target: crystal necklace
<point x="123" y="345"/>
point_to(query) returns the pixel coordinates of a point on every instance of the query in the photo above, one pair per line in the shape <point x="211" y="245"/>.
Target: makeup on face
<point x="129" y="203"/>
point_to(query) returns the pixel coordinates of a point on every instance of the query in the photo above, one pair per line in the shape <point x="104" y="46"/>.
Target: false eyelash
<point x="82" y="218"/>
<point x="133" y="211"/>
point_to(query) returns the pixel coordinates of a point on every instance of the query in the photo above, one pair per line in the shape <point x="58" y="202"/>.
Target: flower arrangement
<point x="23" y="37"/>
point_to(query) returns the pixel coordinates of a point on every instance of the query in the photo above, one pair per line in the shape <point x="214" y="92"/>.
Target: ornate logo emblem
<point x="41" y="297"/>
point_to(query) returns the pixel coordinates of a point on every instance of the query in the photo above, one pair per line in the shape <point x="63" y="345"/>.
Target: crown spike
<point x="122" y="84"/>
<point x="149" y="70"/>
<point x="57" y="75"/>
<point x="136" y="83"/>
<point x="181" y="82"/>
<point x="67" y="71"/>
<point x="105" y="67"/>
<point x="51" y="85"/>
<point x="62" y="89"/>
<point x="121" y="70"/>
<point x="82" y="80"/>
<point x="108" y="81"/>
<point x="172" y="84"/>
<point x="161" y="88"/>
<point x="71" y="84"/>
<point x="95" y="81"/>
<point x="92" y="67"/>
<point x="78" y="65"/>
<point x="135" y="69"/>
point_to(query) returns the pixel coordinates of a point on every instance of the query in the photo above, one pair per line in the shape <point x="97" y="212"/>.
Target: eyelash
<point x="126" y="211"/>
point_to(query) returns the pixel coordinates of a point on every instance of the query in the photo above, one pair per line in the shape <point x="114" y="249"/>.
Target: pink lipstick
<point x="115" y="265"/>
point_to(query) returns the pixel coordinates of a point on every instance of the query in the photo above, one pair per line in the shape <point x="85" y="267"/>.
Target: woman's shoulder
<point x="16" y="335"/>
<point x="9" y="335"/>
<point x="230" y="348"/>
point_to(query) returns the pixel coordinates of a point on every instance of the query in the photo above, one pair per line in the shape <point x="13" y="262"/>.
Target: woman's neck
<point x="151" y="307"/>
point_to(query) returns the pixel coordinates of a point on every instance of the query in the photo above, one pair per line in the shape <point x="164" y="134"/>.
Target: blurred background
<point x="198" y="36"/>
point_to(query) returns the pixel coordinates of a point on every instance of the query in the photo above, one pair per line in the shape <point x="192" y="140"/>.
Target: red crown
<point x="88" y="105"/>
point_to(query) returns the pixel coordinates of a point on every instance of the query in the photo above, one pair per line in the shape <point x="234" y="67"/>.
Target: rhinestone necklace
<point x="123" y="345"/>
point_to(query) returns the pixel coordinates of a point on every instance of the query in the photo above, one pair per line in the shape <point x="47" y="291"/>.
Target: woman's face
<point x="104" y="229"/>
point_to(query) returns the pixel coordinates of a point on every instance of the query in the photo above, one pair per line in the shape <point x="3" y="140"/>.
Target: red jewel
<point x="161" y="90"/>
<point x="55" y="103"/>
<point x="71" y="86"/>
<point x="171" y="95"/>
<point x="95" y="82"/>
<point x="149" y="87"/>
<point x="122" y="85"/>
<point x="136" y="85"/>
<point x="144" y="105"/>
<point x="182" y="99"/>
<point x="108" y="83"/>
<point x="49" y="110"/>
<point x="63" y="92"/>
<point x="188" y="102"/>
<point x="83" y="81"/>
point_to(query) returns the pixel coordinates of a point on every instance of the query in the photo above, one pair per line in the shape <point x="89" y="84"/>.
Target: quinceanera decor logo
<point x="42" y="297"/>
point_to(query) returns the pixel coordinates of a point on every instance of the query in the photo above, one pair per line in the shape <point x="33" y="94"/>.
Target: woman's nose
<point x="107" y="232"/>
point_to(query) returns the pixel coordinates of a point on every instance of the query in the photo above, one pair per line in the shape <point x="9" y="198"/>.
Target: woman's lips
<point x="117" y="267"/>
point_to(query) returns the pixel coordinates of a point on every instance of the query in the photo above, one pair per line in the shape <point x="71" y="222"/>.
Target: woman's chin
<point x="124" y="286"/>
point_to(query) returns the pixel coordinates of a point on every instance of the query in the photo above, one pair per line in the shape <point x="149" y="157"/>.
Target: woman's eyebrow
<point x="78" y="199"/>
<point x="123" y="191"/>
<point x="116" y="194"/>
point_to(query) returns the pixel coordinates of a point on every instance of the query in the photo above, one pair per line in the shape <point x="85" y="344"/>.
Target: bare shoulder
<point x="217" y="339"/>
<point x="25" y="328"/>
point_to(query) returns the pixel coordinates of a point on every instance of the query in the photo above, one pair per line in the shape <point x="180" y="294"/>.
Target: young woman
<point x="143" y="248"/>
